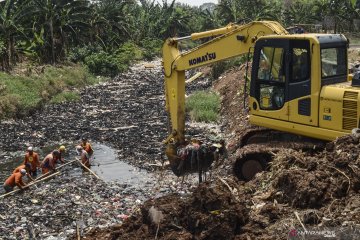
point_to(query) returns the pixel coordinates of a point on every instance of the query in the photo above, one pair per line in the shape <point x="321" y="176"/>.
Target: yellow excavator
<point x="299" y="85"/>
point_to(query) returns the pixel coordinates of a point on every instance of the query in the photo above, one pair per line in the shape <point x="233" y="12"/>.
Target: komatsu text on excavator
<point x="299" y="82"/>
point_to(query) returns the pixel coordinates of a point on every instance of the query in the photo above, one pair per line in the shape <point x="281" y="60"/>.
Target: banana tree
<point x="60" y="19"/>
<point x="336" y="10"/>
<point x="300" y="12"/>
<point x="113" y="21"/>
<point x="229" y="10"/>
<point x="10" y="28"/>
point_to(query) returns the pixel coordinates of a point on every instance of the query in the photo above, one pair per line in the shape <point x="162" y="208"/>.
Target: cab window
<point x="300" y="66"/>
<point x="270" y="65"/>
<point x="333" y="62"/>
<point x="271" y="78"/>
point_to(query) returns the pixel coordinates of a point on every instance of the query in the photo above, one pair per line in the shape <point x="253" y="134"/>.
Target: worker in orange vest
<point x="49" y="162"/>
<point x="86" y="146"/>
<point x="27" y="168"/>
<point x="15" y="179"/>
<point x="32" y="158"/>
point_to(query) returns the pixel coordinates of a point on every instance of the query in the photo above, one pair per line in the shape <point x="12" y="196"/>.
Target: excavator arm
<point x="231" y="41"/>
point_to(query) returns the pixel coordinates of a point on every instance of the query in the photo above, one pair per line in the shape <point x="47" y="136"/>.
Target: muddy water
<point x="109" y="167"/>
<point x="105" y="163"/>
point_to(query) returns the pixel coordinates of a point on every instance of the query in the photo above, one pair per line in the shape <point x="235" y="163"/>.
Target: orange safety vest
<point x="87" y="147"/>
<point x="19" y="168"/>
<point x="33" y="160"/>
<point x="15" y="179"/>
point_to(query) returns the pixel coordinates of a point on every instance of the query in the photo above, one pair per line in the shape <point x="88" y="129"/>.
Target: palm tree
<point x="243" y="10"/>
<point x="210" y="20"/>
<point x="177" y="23"/>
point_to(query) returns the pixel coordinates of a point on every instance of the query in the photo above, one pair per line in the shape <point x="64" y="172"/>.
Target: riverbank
<point x="28" y="88"/>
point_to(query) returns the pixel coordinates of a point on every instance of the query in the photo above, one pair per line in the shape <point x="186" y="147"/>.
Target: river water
<point x="109" y="167"/>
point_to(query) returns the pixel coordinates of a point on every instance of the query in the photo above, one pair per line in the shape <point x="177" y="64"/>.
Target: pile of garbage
<point x="302" y="191"/>
<point x="212" y="212"/>
<point x="73" y="199"/>
<point x="127" y="112"/>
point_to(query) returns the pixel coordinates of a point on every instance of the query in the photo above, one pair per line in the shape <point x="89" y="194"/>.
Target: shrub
<point x="78" y="54"/>
<point x="9" y="105"/>
<point x="111" y="64"/>
<point x="126" y="54"/>
<point x="203" y="106"/>
<point x="102" y="63"/>
<point x="151" y="48"/>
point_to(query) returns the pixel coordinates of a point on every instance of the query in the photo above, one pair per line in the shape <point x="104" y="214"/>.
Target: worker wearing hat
<point x="27" y="168"/>
<point x="32" y="158"/>
<point x="62" y="150"/>
<point x="15" y="179"/>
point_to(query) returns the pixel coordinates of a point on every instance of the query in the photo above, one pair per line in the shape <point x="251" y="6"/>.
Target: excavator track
<point x="258" y="146"/>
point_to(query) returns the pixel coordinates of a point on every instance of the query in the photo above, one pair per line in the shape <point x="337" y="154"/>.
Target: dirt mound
<point x="212" y="212"/>
<point x="302" y="190"/>
<point x="312" y="181"/>
<point x="231" y="88"/>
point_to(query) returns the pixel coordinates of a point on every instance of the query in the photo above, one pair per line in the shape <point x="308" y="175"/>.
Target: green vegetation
<point x="107" y="36"/>
<point x="105" y="64"/>
<point x="66" y="97"/>
<point x="20" y="95"/>
<point x="203" y="106"/>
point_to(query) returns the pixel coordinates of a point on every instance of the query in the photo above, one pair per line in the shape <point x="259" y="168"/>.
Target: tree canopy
<point x="52" y="31"/>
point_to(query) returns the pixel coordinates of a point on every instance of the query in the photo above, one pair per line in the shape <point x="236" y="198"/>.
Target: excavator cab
<point x="288" y="74"/>
<point x="280" y="73"/>
<point x="298" y="85"/>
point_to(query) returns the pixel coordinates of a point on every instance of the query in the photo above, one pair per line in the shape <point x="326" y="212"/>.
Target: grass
<point x="203" y="106"/>
<point x="66" y="97"/>
<point x="22" y="93"/>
